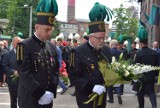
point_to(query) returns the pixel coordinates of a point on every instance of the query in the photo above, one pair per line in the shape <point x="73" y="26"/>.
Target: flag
<point x="154" y="17"/>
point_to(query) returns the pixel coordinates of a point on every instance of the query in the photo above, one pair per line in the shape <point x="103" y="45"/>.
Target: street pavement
<point x="67" y="101"/>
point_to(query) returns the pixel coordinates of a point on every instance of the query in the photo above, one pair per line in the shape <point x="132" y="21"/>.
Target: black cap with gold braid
<point x="97" y="15"/>
<point x="46" y="12"/>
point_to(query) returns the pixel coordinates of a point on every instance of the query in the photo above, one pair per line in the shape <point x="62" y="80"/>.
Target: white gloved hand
<point x="99" y="89"/>
<point x="47" y="98"/>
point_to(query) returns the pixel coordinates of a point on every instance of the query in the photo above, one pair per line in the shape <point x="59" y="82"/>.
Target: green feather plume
<point x="142" y="33"/>
<point x="120" y="38"/>
<point x="100" y="12"/>
<point x="47" y="6"/>
<point x="41" y="5"/>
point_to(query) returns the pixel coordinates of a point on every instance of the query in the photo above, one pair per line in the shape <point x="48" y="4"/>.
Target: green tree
<point x="56" y="30"/>
<point x="3" y="8"/>
<point x="19" y="16"/>
<point x="125" y="23"/>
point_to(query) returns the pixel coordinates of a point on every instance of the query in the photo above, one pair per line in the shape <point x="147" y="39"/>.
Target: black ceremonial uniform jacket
<point x="147" y="56"/>
<point x="85" y="73"/>
<point x="38" y="71"/>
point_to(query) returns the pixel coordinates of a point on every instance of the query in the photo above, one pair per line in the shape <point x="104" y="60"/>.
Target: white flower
<point x="124" y="66"/>
<point x="113" y="60"/>
<point x="126" y="73"/>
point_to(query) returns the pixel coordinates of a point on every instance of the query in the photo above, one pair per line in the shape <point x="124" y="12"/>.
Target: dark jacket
<point x="132" y="53"/>
<point x="2" y="52"/>
<point x="115" y="52"/>
<point x="148" y="56"/>
<point x="125" y="53"/>
<point x="85" y="72"/>
<point x="39" y="71"/>
<point x="9" y="66"/>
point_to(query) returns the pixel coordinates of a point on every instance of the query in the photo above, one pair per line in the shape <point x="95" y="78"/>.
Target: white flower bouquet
<point x="120" y="72"/>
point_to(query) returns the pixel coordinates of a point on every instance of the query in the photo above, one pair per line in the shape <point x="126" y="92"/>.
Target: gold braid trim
<point x="21" y="52"/>
<point x="72" y="60"/>
<point x="17" y="54"/>
<point x="45" y="14"/>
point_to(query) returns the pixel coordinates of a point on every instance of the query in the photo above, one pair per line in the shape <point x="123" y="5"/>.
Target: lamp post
<point x="30" y="20"/>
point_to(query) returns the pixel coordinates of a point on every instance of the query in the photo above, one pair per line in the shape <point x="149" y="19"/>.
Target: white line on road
<point x="7" y="104"/>
<point x="4" y="93"/>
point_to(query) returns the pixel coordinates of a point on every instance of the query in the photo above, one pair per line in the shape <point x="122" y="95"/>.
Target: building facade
<point x="150" y="18"/>
<point x="74" y="25"/>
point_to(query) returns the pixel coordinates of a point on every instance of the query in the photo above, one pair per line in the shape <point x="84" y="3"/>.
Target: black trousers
<point x="110" y="93"/>
<point x="13" y="89"/>
<point x="147" y="87"/>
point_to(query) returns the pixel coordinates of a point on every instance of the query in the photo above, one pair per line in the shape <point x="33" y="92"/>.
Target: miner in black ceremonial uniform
<point x="37" y="61"/>
<point x="85" y="73"/>
<point x="146" y="56"/>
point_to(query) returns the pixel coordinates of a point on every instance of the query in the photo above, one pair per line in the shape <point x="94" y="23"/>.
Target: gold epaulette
<point x="19" y="53"/>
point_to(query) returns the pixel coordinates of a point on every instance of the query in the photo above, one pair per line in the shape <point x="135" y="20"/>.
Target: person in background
<point x="156" y="48"/>
<point x="117" y="88"/>
<point x="61" y="84"/>
<point x="146" y="56"/>
<point x="121" y="48"/>
<point x="10" y="68"/>
<point x="2" y="73"/>
<point x="133" y="51"/>
<point x="67" y="53"/>
<point x="74" y="43"/>
<point x="125" y="54"/>
<point x="37" y="61"/>
<point x="6" y="45"/>
<point x="85" y="73"/>
<point x="85" y="37"/>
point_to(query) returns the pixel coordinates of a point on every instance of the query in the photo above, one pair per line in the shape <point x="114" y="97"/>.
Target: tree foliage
<point x="56" y="30"/>
<point x="19" y="16"/>
<point x="125" y="23"/>
<point x="3" y="8"/>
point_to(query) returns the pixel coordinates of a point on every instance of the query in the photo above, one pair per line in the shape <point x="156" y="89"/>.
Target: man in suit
<point x="85" y="73"/>
<point x="38" y="62"/>
<point x="10" y="68"/>
<point x="146" y="56"/>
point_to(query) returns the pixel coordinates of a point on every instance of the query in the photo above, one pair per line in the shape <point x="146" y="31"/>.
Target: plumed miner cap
<point x="120" y="39"/>
<point x="20" y="34"/>
<point x="142" y="35"/>
<point x="46" y="12"/>
<point x="97" y="15"/>
<point x="86" y="35"/>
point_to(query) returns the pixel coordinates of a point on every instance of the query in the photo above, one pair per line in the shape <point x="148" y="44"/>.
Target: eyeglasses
<point x="99" y="38"/>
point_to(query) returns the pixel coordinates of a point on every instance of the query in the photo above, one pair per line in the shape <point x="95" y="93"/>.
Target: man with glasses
<point x="84" y="59"/>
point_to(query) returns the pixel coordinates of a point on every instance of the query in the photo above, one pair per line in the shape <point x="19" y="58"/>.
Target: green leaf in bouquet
<point x="121" y="57"/>
<point x="92" y="97"/>
<point x="14" y="77"/>
<point x="109" y="76"/>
